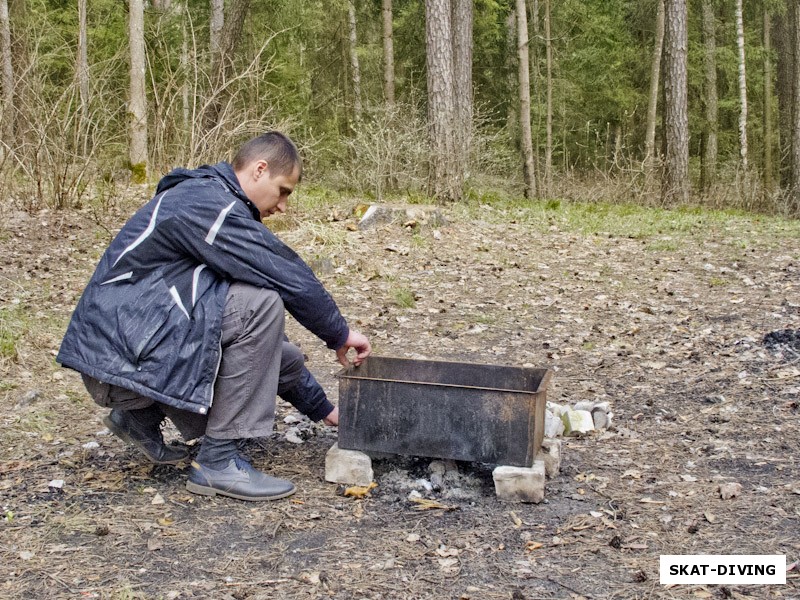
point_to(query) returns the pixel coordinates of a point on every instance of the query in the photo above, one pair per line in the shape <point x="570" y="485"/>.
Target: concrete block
<point x="520" y="484"/>
<point x="550" y="455"/>
<point x="577" y="422"/>
<point x="348" y="466"/>
<point x="584" y="405"/>
<point x="553" y="425"/>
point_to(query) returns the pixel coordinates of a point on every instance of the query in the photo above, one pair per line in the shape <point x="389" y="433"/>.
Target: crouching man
<point x="184" y="318"/>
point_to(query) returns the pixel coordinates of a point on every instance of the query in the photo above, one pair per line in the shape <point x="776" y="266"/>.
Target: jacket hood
<point x="221" y="171"/>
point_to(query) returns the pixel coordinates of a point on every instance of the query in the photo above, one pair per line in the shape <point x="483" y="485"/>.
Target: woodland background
<point x="653" y="101"/>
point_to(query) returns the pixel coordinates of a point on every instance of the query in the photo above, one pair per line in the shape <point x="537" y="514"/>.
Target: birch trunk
<point x="82" y="67"/>
<point x="9" y="110"/>
<point x="137" y="106"/>
<point x="783" y="32"/>
<point x="768" y="166"/>
<point x="708" y="157"/>
<point x="548" y="151"/>
<point x="462" y="77"/>
<point x="388" y="54"/>
<point x="742" y="88"/>
<point x="795" y="158"/>
<point x="355" y="68"/>
<point x="528" y="170"/>
<point x="652" y="102"/>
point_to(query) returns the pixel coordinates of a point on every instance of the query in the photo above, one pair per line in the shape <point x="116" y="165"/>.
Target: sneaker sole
<point x="205" y="490"/>
<point x="123" y="435"/>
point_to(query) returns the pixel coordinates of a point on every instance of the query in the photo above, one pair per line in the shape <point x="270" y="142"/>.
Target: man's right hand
<point x="361" y="344"/>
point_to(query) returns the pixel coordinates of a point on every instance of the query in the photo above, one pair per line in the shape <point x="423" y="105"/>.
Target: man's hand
<point x="361" y="344"/>
<point x="333" y="417"/>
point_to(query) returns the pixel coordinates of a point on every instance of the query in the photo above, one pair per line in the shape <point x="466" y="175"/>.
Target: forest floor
<point x="664" y="314"/>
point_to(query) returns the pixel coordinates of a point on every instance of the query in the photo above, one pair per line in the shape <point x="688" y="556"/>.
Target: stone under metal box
<point x="461" y="411"/>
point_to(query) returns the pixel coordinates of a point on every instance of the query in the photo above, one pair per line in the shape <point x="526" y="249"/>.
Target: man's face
<point x="269" y="192"/>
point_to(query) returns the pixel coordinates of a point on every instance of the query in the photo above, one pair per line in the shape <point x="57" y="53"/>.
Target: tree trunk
<point x="462" y="77"/>
<point x="768" y="166"/>
<point x="388" y="54"/>
<point x="445" y="181"/>
<point x="528" y="170"/>
<point x="548" y="150"/>
<point x="223" y="49"/>
<point x="137" y="106"/>
<point x="784" y="49"/>
<point x="675" y="184"/>
<point x="355" y="68"/>
<point x="708" y="157"/>
<point x="8" y="115"/>
<point x="795" y="160"/>
<point x="217" y="22"/>
<point x="183" y="9"/>
<point x="82" y="67"/>
<point x="652" y="103"/>
<point x="742" y="88"/>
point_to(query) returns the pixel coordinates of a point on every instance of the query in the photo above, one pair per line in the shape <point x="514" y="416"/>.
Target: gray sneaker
<point x="238" y="480"/>
<point x="141" y="428"/>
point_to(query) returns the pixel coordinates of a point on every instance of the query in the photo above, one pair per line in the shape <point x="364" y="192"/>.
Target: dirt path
<point x="662" y="315"/>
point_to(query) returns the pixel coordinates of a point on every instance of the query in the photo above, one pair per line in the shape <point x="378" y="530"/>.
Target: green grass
<point x="403" y="297"/>
<point x="13" y="326"/>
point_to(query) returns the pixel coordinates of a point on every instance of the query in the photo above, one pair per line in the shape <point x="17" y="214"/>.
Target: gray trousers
<point x="257" y="364"/>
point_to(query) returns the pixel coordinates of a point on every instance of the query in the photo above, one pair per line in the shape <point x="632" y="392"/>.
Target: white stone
<point x="520" y="484"/>
<point x="553" y="425"/>
<point x="550" y="455"/>
<point x="585" y="405"/>
<point x="600" y="418"/>
<point x="292" y="435"/>
<point x="557" y="409"/>
<point x="348" y="466"/>
<point x="577" y="422"/>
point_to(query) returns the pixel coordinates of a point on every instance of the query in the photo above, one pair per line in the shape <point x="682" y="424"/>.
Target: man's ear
<point x="260" y="167"/>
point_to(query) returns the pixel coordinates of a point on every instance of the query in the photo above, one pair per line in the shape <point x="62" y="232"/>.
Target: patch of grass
<point x="404" y="298"/>
<point x="662" y="246"/>
<point x="717" y="282"/>
<point x="13" y="326"/>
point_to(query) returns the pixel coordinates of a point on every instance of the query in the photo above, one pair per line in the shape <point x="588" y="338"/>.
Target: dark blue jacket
<point x="149" y="319"/>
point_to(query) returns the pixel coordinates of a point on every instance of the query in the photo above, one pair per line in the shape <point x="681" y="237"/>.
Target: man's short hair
<point x="274" y="147"/>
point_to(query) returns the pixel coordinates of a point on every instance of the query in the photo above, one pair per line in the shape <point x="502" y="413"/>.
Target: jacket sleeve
<point x="230" y="242"/>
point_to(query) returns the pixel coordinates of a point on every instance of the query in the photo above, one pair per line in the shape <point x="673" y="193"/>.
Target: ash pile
<point x="785" y="343"/>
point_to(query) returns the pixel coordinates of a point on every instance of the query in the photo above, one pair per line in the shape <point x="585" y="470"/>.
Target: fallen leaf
<point x="157" y="499"/>
<point x="358" y="491"/>
<point x="154" y="544"/>
<point x="729" y="490"/>
<point x="651" y="501"/>
<point x="448" y="565"/>
<point x="709" y="517"/>
<point x="517" y="521"/>
<point x="634" y="546"/>
<point x="425" y="504"/>
<point x="531" y="546"/>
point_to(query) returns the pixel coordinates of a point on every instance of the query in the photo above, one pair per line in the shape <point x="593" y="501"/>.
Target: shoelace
<point x="242" y="463"/>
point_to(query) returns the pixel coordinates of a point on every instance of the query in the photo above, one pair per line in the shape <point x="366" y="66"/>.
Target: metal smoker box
<point x="461" y="411"/>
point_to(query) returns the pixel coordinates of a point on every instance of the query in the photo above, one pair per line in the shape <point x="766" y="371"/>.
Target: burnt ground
<point x="684" y="321"/>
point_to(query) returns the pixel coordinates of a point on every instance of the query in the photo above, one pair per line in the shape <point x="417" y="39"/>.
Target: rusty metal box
<point x="461" y="411"/>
